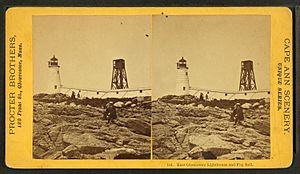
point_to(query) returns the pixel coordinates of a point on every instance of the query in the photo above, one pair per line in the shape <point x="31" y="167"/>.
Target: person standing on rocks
<point x="201" y="97"/>
<point x="237" y="114"/>
<point x="78" y="94"/>
<point x="73" y="95"/>
<point x="111" y="112"/>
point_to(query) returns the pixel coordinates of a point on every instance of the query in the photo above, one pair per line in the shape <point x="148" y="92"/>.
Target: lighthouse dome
<point x="181" y="64"/>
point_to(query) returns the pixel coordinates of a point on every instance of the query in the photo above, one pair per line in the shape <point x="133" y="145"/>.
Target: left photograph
<point x="91" y="87"/>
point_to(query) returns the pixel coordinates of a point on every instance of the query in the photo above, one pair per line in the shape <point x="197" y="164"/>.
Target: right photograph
<point x="210" y="87"/>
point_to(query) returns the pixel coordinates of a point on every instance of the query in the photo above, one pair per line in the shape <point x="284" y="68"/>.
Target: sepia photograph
<point x="149" y="87"/>
<point x="211" y="87"/>
<point x="91" y="87"/>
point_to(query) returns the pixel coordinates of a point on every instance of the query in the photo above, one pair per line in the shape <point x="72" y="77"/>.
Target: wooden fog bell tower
<point x="119" y="76"/>
<point x="247" y="78"/>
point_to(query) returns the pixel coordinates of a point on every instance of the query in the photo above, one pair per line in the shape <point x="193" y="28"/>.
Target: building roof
<point x="53" y="58"/>
<point x="182" y="60"/>
<point x="247" y="61"/>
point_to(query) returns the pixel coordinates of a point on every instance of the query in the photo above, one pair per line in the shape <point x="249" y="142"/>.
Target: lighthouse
<point x="54" y="83"/>
<point x="182" y="84"/>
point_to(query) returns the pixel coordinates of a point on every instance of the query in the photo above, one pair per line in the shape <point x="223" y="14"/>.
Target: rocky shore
<point x="76" y="129"/>
<point x="183" y="127"/>
<point x="186" y="128"/>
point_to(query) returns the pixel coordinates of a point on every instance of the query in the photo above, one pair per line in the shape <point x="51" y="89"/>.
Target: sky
<point x="213" y="46"/>
<point x="86" y="46"/>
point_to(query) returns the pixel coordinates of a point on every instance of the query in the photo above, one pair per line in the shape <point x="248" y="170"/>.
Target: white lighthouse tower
<point x="54" y="83"/>
<point x="183" y="85"/>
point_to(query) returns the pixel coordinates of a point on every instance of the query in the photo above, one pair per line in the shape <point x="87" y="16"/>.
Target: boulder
<point x="133" y="105"/>
<point x="181" y="135"/>
<point x="54" y="132"/>
<point x="200" y="106"/>
<point x="249" y="143"/>
<point x="246" y="105"/>
<point x="196" y="153"/>
<point x="260" y="106"/>
<point x="191" y="105"/>
<point x="55" y="155"/>
<point x="262" y="126"/>
<point x="119" y="153"/>
<point x="255" y="105"/>
<point x="206" y="108"/>
<point x="249" y="132"/>
<point x="120" y="142"/>
<point x="161" y="153"/>
<point x="72" y="152"/>
<point x="46" y="122"/>
<point x="37" y="152"/>
<point x="252" y="143"/>
<point x="138" y="126"/>
<point x="54" y="98"/>
<point x="72" y="104"/>
<point x="264" y="117"/>
<point x="36" y="118"/>
<point x="80" y="106"/>
<point x="224" y="115"/>
<point x="236" y="140"/>
<point x="62" y="157"/>
<point x="109" y="138"/>
<point x="212" y="144"/>
<point x="169" y="145"/>
<point x="174" y="123"/>
<point x="86" y="143"/>
<point x="128" y="103"/>
<point x="217" y="127"/>
<point x="69" y="111"/>
<point x="175" y="101"/>
<point x="267" y="100"/>
<point x="140" y="98"/>
<point x="44" y="144"/>
<point x="193" y="127"/>
<point x="119" y="104"/>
